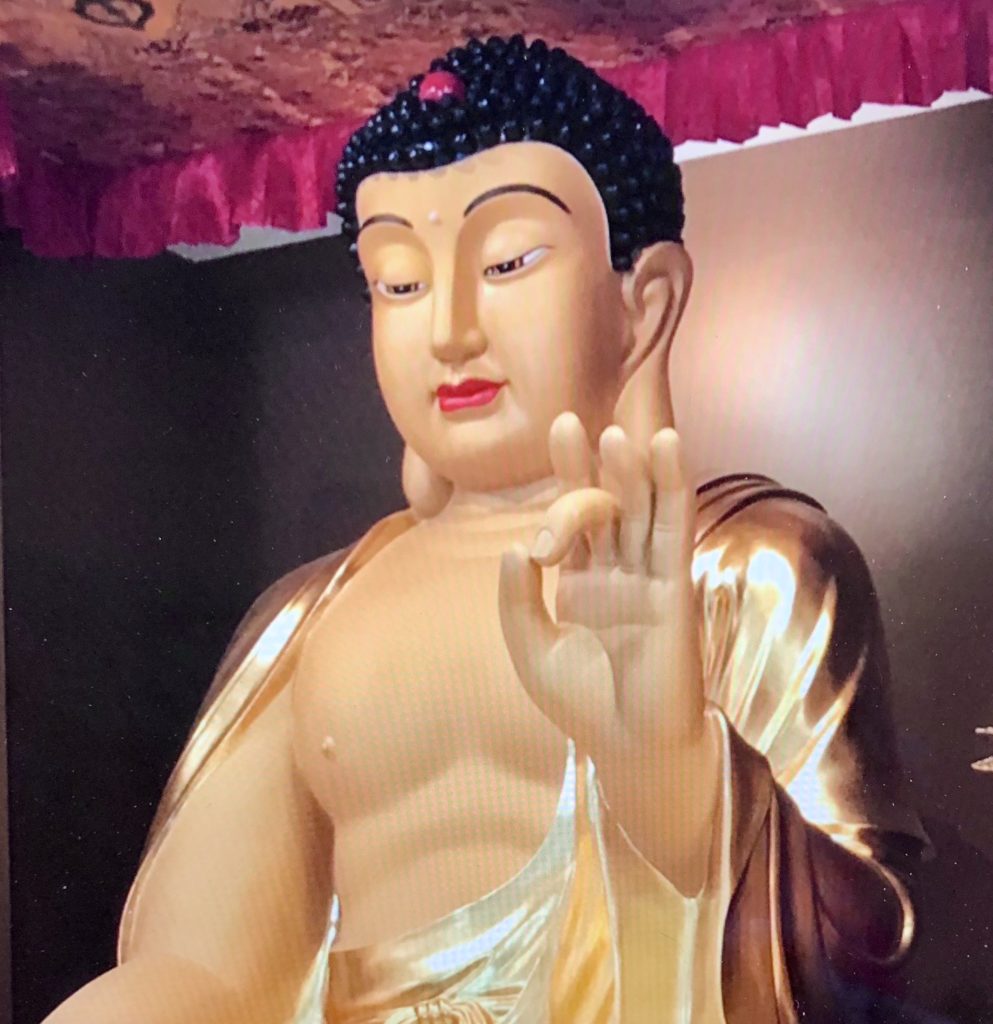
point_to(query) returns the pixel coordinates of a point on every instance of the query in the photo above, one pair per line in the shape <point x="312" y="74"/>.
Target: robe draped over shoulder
<point x="795" y="658"/>
<point x="813" y="802"/>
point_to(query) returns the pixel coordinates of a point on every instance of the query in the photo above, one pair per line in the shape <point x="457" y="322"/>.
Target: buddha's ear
<point x="427" y="493"/>
<point x="655" y="291"/>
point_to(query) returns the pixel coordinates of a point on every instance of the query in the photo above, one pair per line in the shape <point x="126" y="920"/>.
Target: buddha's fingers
<point x="528" y="627"/>
<point x="569" y="450"/>
<point x="572" y="462"/>
<point x="584" y="511"/>
<point x="564" y="670"/>
<point x="673" y="520"/>
<point x="627" y="471"/>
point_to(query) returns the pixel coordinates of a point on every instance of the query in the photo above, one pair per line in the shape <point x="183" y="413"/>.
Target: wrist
<point x="653" y="777"/>
<point x="664" y="797"/>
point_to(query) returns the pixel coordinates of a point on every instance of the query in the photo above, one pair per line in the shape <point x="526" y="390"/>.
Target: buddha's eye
<point x="400" y="291"/>
<point x="518" y="263"/>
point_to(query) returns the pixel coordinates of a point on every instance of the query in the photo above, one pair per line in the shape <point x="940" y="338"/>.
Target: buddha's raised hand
<point x="620" y="670"/>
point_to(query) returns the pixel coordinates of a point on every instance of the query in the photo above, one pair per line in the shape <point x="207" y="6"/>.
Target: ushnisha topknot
<point x="504" y="90"/>
<point x="436" y="86"/>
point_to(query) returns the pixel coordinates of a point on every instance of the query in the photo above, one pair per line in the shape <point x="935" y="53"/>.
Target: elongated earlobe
<point x="655" y="293"/>
<point x="427" y="493"/>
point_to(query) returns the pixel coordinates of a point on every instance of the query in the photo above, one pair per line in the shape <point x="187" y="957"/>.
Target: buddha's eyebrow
<point x="385" y="218"/>
<point x="502" y="190"/>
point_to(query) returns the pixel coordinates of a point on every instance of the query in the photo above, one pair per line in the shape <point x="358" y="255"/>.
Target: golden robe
<point x="795" y="667"/>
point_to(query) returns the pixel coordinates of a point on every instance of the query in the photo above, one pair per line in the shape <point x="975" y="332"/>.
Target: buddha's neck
<point x="532" y="497"/>
<point x="482" y="524"/>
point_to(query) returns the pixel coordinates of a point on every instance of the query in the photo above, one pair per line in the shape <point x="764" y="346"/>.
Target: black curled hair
<point x="516" y="92"/>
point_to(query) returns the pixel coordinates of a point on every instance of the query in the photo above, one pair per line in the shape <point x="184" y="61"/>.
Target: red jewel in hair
<point x="439" y="84"/>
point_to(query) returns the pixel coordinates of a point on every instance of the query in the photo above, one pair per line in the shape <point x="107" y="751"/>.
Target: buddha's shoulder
<point x="747" y="522"/>
<point x="300" y="589"/>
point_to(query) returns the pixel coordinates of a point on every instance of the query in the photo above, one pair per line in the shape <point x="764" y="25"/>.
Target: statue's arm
<point x="823" y="870"/>
<point x="156" y="989"/>
<point x="234" y="903"/>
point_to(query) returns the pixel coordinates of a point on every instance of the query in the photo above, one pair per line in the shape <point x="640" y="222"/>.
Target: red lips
<point x="470" y="392"/>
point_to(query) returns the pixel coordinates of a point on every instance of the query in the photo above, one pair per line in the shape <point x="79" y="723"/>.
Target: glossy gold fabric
<point x="491" y="960"/>
<point x="796" y="674"/>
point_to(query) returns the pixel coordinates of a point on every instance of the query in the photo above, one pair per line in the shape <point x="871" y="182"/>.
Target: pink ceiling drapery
<point x="8" y="152"/>
<point x="907" y="52"/>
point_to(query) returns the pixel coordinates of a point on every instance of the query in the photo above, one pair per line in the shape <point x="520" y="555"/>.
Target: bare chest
<point x="405" y="692"/>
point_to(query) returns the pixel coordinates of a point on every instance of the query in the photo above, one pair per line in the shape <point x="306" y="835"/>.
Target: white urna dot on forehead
<point x="328" y="746"/>
<point x="434" y="217"/>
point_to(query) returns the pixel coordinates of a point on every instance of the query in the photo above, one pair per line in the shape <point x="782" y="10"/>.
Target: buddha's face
<point x="494" y="308"/>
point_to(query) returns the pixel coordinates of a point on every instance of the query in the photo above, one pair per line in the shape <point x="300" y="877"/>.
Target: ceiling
<point x="115" y="82"/>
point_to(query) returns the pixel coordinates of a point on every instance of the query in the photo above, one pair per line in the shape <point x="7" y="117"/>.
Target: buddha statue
<point x="569" y="740"/>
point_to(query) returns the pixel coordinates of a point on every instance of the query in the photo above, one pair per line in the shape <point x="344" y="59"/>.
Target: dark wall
<point x="176" y="436"/>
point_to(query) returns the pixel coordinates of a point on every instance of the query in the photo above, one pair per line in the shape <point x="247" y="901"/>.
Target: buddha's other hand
<point x="620" y="670"/>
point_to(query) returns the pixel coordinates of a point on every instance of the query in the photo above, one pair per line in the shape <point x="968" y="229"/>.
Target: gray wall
<point x="176" y="436"/>
<point x="841" y="340"/>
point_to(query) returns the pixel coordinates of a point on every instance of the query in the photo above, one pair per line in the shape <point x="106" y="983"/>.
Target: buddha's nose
<point x="458" y="346"/>
<point x="455" y="335"/>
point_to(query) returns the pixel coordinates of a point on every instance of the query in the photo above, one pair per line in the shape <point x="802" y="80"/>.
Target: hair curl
<point x="516" y="92"/>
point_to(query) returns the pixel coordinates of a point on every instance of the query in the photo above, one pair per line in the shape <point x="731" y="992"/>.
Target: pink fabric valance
<point x="907" y="52"/>
<point x="8" y="150"/>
